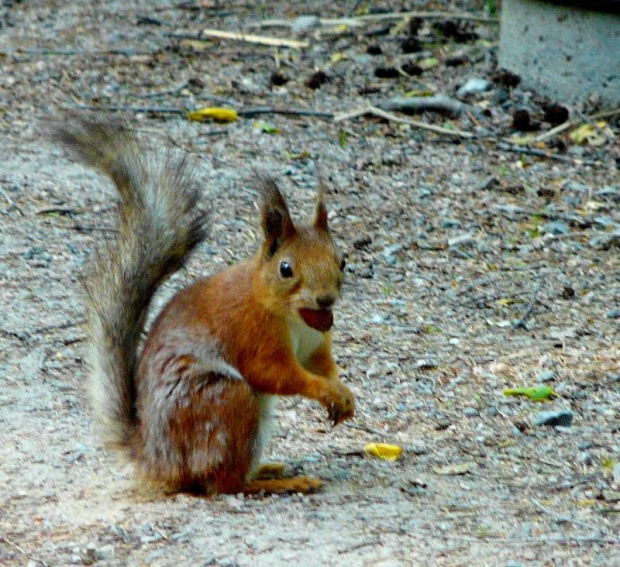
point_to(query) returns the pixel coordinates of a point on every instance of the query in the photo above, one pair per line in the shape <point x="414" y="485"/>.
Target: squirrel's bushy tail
<point x="160" y="224"/>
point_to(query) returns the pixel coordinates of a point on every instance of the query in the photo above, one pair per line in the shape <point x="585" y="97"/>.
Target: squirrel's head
<point x="301" y="268"/>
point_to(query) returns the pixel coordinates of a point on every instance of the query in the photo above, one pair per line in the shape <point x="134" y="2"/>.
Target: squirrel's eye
<point x="285" y="270"/>
<point x="343" y="263"/>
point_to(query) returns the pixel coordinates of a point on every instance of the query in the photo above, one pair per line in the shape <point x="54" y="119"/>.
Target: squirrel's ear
<point x="320" y="215"/>
<point x="275" y="218"/>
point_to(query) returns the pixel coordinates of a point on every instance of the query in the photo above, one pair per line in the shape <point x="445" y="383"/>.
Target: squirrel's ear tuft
<point x="275" y="218"/>
<point x="320" y="215"/>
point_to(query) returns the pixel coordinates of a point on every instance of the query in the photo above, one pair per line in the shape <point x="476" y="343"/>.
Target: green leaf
<point x="343" y="138"/>
<point x="429" y="63"/>
<point x="304" y="154"/>
<point x="267" y="128"/>
<point x="534" y="393"/>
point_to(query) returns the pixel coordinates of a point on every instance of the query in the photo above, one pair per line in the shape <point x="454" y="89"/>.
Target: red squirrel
<point x="192" y="406"/>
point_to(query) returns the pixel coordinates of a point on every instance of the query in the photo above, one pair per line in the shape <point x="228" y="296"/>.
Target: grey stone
<point x="565" y="52"/>
<point x="613" y="314"/>
<point x="304" y="24"/>
<point x="546" y="376"/>
<point x="554" y="418"/>
<point x="104" y="553"/>
<point x="556" y="227"/>
<point x="474" y="86"/>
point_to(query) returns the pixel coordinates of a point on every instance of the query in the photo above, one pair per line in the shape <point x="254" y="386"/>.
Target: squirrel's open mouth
<point x="319" y="319"/>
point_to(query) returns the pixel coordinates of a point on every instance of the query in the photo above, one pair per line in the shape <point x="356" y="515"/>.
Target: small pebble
<point x="545" y="376"/>
<point x="104" y="553"/>
<point x="613" y="314"/>
<point x="556" y="228"/>
<point x="304" y="24"/>
<point x="554" y="418"/>
<point x="474" y="86"/>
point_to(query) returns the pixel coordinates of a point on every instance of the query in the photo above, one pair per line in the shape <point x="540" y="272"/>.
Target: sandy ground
<point x="470" y="270"/>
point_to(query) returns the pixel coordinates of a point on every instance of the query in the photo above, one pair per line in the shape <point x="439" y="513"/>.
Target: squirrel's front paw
<point x="340" y="402"/>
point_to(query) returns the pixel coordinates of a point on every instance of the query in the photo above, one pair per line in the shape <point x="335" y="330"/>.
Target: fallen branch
<point x="574" y="122"/>
<point x="390" y="16"/>
<point x="126" y="51"/>
<point x="173" y="110"/>
<point x="4" y="539"/>
<point x="565" y="519"/>
<point x="171" y="90"/>
<point x="363" y="427"/>
<point x="259" y="39"/>
<point x="542" y="153"/>
<point x="124" y="108"/>
<point x="555" y="131"/>
<point x="374" y="111"/>
<point x="435" y="103"/>
<point x="285" y="111"/>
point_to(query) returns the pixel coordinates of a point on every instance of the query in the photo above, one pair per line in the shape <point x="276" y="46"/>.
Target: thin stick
<point x="245" y="113"/>
<point x="555" y="131"/>
<point x="390" y="16"/>
<point x="564" y="519"/>
<point x="21" y="550"/>
<point x="122" y="108"/>
<point x="592" y="122"/>
<point x="494" y="540"/>
<point x="435" y="103"/>
<point x="574" y="122"/>
<point x="393" y="118"/>
<point x="260" y="39"/>
<point x="363" y="427"/>
<point x="542" y="153"/>
<point x="171" y="90"/>
<point x="127" y="51"/>
<point x="285" y="111"/>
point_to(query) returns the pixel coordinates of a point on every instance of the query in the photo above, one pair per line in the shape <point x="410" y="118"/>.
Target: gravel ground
<point x="471" y="269"/>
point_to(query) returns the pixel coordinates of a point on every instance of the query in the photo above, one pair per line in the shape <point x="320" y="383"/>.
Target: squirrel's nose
<point x="325" y="301"/>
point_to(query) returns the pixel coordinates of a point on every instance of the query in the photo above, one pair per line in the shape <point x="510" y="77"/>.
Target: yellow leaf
<point x="588" y="134"/>
<point x="508" y="301"/>
<point x="215" y="114"/>
<point x="521" y="140"/>
<point x="196" y="44"/>
<point x="304" y="154"/>
<point x="384" y="451"/>
<point x="586" y="502"/>
<point x="419" y="92"/>
<point x="342" y="28"/>
<point x="338" y="56"/>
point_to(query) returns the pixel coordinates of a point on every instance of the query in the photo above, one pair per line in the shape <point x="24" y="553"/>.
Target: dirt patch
<point x="471" y="268"/>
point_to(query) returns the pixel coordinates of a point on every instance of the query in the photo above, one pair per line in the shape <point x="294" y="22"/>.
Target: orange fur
<point x="193" y="409"/>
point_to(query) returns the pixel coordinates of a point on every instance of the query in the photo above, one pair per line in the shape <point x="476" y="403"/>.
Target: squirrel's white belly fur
<point x="305" y="341"/>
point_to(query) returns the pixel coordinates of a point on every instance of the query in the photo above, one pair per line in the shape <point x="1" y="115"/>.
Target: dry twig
<point x="435" y="103"/>
<point x="374" y="111"/>
<point x="259" y="39"/>
<point x="387" y="17"/>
